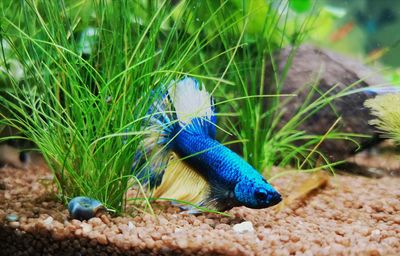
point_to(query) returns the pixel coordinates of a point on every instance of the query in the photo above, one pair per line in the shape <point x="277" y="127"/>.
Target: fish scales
<point x="214" y="160"/>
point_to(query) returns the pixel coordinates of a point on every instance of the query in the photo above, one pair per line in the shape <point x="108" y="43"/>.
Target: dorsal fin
<point x="194" y="107"/>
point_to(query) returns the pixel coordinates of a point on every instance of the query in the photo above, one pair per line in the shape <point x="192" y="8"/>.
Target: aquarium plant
<point x="387" y="112"/>
<point x="84" y="111"/>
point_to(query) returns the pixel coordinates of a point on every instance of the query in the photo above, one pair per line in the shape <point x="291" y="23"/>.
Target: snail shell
<point x="84" y="208"/>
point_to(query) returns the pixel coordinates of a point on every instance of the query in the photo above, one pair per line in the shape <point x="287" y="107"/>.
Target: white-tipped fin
<point x="194" y="107"/>
<point x="190" y="100"/>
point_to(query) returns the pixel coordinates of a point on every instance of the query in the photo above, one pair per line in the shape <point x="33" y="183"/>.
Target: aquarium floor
<point x="350" y="215"/>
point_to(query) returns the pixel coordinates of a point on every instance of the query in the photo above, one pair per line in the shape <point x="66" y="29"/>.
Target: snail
<point x="84" y="208"/>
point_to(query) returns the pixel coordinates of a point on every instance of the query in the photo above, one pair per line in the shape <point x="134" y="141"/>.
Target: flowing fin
<point x="152" y="157"/>
<point x="184" y="105"/>
<point x="151" y="164"/>
<point x="182" y="182"/>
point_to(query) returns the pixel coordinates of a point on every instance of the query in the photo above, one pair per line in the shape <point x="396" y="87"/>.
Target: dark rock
<point x="316" y="68"/>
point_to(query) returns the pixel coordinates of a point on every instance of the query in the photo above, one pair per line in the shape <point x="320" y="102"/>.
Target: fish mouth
<point x="276" y="199"/>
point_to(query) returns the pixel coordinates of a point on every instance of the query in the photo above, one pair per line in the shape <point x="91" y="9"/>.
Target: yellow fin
<point x="181" y="182"/>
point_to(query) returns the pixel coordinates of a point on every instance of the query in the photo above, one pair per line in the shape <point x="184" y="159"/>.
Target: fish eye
<point x="260" y="194"/>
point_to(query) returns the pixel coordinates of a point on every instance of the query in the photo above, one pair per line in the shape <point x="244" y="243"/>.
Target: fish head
<point x="256" y="193"/>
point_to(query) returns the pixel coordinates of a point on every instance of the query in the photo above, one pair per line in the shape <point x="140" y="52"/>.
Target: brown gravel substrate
<point x="349" y="216"/>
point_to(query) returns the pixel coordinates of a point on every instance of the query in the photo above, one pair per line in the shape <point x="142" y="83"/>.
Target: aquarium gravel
<point x="349" y="216"/>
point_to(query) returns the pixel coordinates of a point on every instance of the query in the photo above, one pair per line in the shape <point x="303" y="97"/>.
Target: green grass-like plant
<point x="83" y="105"/>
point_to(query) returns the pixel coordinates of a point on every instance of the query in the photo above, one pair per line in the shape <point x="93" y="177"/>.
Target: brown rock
<point x="326" y="69"/>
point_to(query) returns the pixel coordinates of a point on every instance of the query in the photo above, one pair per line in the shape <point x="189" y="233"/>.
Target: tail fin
<point x="183" y="105"/>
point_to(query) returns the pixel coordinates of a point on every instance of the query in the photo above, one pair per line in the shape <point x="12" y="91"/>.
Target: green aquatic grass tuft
<point x="90" y="69"/>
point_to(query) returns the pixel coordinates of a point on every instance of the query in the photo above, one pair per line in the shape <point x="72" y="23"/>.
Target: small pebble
<point x="294" y="238"/>
<point x="105" y="219"/>
<point x="243" y="227"/>
<point x="48" y="221"/>
<point x="86" y="228"/>
<point x="12" y="217"/>
<point x="14" y="224"/>
<point x="130" y="225"/>
<point x="102" y="239"/>
<point x="375" y="234"/>
<point x="284" y="238"/>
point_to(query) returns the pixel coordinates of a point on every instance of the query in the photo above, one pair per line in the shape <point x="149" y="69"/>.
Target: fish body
<point x="202" y="170"/>
<point x="225" y="170"/>
<point x="216" y="161"/>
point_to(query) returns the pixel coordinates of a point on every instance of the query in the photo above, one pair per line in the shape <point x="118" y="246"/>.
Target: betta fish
<point x="185" y="162"/>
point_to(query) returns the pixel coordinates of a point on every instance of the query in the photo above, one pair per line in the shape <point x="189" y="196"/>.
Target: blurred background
<point x="366" y="29"/>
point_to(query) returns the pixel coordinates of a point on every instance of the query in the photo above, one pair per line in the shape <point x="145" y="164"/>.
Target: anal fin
<point x="182" y="183"/>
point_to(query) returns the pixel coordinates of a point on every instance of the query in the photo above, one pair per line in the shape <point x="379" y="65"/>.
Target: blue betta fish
<point x="187" y="163"/>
